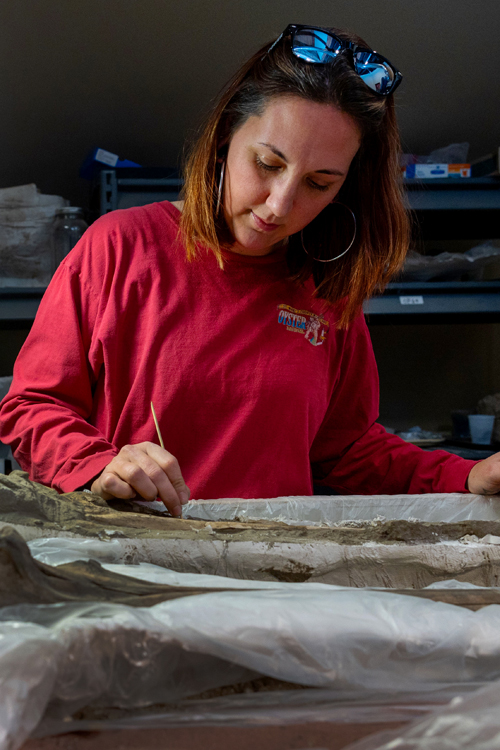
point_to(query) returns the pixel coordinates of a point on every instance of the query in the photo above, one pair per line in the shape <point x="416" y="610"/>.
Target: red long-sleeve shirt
<point x="255" y="390"/>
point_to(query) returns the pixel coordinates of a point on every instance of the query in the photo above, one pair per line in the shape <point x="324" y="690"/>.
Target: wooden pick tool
<point x="157" y="426"/>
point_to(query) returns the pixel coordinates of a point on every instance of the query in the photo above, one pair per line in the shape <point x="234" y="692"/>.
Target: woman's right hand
<point x="147" y="470"/>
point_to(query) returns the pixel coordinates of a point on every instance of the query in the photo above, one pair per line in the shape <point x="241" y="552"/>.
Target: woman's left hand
<point x="484" y="477"/>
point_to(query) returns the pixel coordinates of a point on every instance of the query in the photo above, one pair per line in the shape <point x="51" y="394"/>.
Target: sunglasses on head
<point x="319" y="46"/>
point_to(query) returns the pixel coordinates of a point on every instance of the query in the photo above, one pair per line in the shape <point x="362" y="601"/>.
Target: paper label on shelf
<point x="106" y="157"/>
<point x="415" y="300"/>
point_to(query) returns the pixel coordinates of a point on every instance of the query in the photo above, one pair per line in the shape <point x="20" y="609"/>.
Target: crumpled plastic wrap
<point x="61" y="550"/>
<point x="26" y="218"/>
<point x="332" y="510"/>
<point x="416" y="433"/>
<point x="337" y="639"/>
<point x="450" y="266"/>
<point x="94" y="654"/>
<point x="453" y="153"/>
<point x="29" y="660"/>
<point x="468" y="723"/>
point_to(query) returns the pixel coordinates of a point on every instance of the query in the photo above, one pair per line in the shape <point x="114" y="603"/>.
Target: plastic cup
<point x="481" y="428"/>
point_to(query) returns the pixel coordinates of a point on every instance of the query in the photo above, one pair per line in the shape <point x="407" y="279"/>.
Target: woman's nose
<point x="281" y="198"/>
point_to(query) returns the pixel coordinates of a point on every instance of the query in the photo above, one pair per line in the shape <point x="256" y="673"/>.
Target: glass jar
<point x="68" y="227"/>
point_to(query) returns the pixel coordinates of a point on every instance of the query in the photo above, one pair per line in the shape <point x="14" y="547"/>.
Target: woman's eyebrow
<point x="281" y="155"/>
<point x="337" y="172"/>
<point x="275" y="151"/>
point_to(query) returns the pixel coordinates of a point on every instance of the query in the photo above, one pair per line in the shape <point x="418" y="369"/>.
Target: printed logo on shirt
<point x="312" y="326"/>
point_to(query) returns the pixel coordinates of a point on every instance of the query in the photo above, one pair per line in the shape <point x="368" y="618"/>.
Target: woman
<point x="237" y="312"/>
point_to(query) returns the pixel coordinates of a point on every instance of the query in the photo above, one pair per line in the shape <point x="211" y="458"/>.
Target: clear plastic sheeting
<point x="337" y="509"/>
<point x="452" y="583"/>
<point x="271" y="708"/>
<point x="29" y="661"/>
<point x="72" y="655"/>
<point x="343" y="639"/>
<point x="61" y="550"/>
<point x="79" y="655"/>
<point x="470" y="723"/>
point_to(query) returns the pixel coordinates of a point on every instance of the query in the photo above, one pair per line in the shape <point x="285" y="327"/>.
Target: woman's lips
<point x="263" y="225"/>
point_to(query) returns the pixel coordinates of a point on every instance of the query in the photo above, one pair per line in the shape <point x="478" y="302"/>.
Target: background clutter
<point x="26" y="218"/>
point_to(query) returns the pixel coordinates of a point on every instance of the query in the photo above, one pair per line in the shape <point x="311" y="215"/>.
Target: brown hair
<point x="372" y="190"/>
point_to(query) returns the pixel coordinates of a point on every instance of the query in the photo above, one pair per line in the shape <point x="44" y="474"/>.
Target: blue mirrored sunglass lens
<point x="315" y="46"/>
<point x="375" y="72"/>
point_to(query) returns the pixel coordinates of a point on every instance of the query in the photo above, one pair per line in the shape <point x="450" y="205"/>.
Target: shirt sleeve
<point x="353" y="454"/>
<point x="44" y="417"/>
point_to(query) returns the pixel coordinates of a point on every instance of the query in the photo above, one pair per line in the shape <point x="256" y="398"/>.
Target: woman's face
<point x="283" y="167"/>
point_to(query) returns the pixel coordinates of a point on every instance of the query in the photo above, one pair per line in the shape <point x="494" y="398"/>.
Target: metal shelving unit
<point x="456" y="208"/>
<point x="136" y="186"/>
<point x="436" y="302"/>
<point x="445" y="209"/>
<point x="452" y="208"/>
<point x="454" y="193"/>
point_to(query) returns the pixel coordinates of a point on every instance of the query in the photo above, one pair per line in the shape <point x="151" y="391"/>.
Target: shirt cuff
<point x="84" y="473"/>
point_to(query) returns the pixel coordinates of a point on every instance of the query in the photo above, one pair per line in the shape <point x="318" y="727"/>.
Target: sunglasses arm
<point x="273" y="45"/>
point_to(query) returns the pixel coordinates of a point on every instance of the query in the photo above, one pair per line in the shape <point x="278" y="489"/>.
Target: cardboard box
<point x="436" y="171"/>
<point x="458" y="170"/>
<point x="426" y="171"/>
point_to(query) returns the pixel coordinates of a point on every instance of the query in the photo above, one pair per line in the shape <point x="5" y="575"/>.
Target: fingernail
<point x="177" y="511"/>
<point x="184" y="497"/>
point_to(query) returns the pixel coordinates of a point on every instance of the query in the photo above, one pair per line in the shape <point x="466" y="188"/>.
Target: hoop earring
<point x="329" y="260"/>
<point x="221" y="185"/>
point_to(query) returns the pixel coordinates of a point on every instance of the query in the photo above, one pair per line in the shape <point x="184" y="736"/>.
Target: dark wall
<point x="133" y="76"/>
